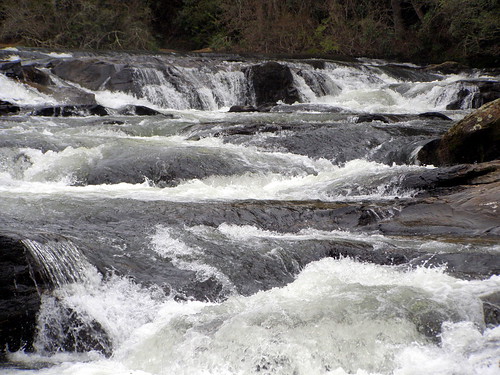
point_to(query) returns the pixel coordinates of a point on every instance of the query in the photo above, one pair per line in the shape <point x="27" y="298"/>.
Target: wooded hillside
<point x="422" y="30"/>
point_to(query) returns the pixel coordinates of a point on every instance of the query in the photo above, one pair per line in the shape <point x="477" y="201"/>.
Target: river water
<point x="201" y="242"/>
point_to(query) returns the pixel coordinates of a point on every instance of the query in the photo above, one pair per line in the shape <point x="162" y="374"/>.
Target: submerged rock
<point x="491" y="309"/>
<point x="140" y="110"/>
<point x="72" y="110"/>
<point x="272" y="82"/>
<point x="474" y="139"/>
<point x="7" y="108"/>
<point x="392" y="118"/>
<point x="265" y="107"/>
<point x="243" y="108"/>
<point x="307" y="107"/>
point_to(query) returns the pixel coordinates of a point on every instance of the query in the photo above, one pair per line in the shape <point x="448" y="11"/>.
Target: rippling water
<point x="192" y="245"/>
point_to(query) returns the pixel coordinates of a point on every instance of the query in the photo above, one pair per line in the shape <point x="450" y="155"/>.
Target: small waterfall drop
<point x="61" y="260"/>
<point x="189" y="88"/>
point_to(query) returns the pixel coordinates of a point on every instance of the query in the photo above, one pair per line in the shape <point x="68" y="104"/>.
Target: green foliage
<point x="325" y="41"/>
<point x="408" y="29"/>
<point x="200" y="21"/>
<point x="461" y="29"/>
<point x="84" y="24"/>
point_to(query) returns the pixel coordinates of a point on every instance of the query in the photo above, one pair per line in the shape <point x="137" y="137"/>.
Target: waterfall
<point x="60" y="259"/>
<point x="186" y="88"/>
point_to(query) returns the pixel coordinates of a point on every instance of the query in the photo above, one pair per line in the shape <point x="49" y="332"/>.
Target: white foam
<point x="60" y="166"/>
<point x="365" y="90"/>
<point x="348" y="183"/>
<point x="12" y="58"/>
<point x="22" y="94"/>
<point x="338" y="317"/>
<point x="60" y="55"/>
<point x="117" y="99"/>
<point x="187" y="258"/>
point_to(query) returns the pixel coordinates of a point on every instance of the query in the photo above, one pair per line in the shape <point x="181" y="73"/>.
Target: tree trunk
<point x="418" y="9"/>
<point x="397" y="18"/>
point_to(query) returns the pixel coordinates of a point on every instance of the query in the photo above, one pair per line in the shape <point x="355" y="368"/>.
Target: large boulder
<point x="12" y="69"/>
<point x="89" y="73"/>
<point x="272" y="82"/>
<point x="39" y="79"/>
<point x="475" y="93"/>
<point x="25" y="73"/>
<point x="19" y="295"/>
<point x="96" y="74"/>
<point x="474" y="139"/>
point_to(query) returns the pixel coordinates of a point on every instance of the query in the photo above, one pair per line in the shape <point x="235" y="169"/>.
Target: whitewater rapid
<point x="337" y="317"/>
<point x="198" y="241"/>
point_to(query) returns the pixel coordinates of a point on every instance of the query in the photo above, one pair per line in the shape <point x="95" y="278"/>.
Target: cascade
<point x="61" y="260"/>
<point x="301" y="238"/>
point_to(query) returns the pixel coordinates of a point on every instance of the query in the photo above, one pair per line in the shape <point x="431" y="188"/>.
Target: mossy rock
<point x="474" y="139"/>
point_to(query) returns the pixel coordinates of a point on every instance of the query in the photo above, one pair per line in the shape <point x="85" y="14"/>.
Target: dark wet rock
<point x="96" y="74"/>
<point x="72" y="110"/>
<point x="429" y="315"/>
<point x="113" y="122"/>
<point x="197" y="132"/>
<point x="12" y="69"/>
<point x="321" y="84"/>
<point x="377" y="117"/>
<point x="460" y="101"/>
<point x="393" y="118"/>
<point x="39" y="79"/>
<point x="123" y="80"/>
<point x="73" y="332"/>
<point x="475" y="93"/>
<point x="69" y="95"/>
<point x="365" y="253"/>
<point x="491" y="309"/>
<point x="465" y="205"/>
<point x="7" y="108"/>
<point x="265" y="107"/>
<point x="336" y="141"/>
<point x="447" y="67"/>
<point x="305" y="107"/>
<point x="431" y="180"/>
<point x="408" y="73"/>
<point x="464" y="265"/>
<point x="165" y="167"/>
<point x="316" y="64"/>
<point x="89" y="73"/>
<point x="243" y="108"/>
<point x="140" y="110"/>
<point x="272" y="82"/>
<point x="32" y="74"/>
<point x="25" y="73"/>
<point x="19" y="295"/>
<point x="434" y="115"/>
<point x="474" y="139"/>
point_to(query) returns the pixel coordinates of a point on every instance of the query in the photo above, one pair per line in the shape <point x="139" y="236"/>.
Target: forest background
<point x="467" y="31"/>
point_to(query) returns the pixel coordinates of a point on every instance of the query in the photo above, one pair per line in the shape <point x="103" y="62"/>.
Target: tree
<point x="81" y="24"/>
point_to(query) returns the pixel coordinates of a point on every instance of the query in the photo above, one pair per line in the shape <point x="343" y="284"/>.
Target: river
<point x="202" y="241"/>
